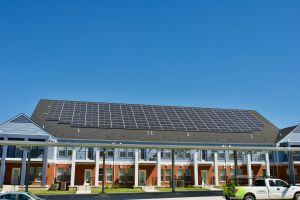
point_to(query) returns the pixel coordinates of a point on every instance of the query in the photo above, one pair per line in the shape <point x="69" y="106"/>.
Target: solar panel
<point x="150" y="117"/>
<point x="66" y="115"/>
<point x="55" y="110"/>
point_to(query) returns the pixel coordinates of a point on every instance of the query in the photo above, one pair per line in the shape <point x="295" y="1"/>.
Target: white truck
<point x="264" y="188"/>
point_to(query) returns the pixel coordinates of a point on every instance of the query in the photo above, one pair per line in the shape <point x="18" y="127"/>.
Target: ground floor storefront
<point x="123" y="175"/>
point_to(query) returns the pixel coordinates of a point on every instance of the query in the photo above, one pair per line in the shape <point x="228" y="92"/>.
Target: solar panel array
<point x="152" y="117"/>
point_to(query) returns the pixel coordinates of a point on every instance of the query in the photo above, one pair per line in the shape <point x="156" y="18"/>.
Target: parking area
<point x="205" y="195"/>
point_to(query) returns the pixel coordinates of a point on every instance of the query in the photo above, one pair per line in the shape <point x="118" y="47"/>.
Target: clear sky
<point x="229" y="54"/>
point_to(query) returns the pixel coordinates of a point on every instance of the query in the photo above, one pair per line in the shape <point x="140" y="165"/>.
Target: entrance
<point x="204" y="177"/>
<point x="87" y="176"/>
<point x="15" y="176"/>
<point x="142" y="177"/>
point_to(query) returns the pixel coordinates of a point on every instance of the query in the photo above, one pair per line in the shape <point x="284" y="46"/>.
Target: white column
<point x="97" y="161"/>
<point x="54" y="154"/>
<point x="3" y="158"/>
<point x="267" y="164"/>
<point x="72" y="184"/>
<point x="249" y="170"/>
<point x="195" y="168"/>
<point x="159" y="168"/>
<point x="136" y="167"/>
<point x="216" y="168"/>
<point x="23" y="171"/>
<point x="45" y="163"/>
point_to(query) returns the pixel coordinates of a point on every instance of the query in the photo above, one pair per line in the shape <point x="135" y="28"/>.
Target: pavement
<point x="201" y="195"/>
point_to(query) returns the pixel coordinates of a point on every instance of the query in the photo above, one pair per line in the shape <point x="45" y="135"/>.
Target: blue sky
<point x="229" y="54"/>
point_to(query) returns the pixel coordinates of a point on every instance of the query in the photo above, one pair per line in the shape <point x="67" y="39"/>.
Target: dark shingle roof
<point x="266" y="135"/>
<point x="284" y="132"/>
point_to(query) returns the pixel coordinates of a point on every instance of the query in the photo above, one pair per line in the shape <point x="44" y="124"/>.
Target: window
<point x="122" y="175"/>
<point x="259" y="183"/>
<point x="61" y="151"/>
<point x="130" y="175"/>
<point x="64" y="152"/>
<point x="272" y="183"/>
<point x="60" y="174"/>
<point x="222" y="175"/>
<point x="180" y="174"/>
<point x="130" y="153"/>
<point x="23" y="197"/>
<point x="90" y="153"/>
<point x="168" y="175"/>
<point x="122" y="154"/>
<point x="203" y="155"/>
<point x="188" y="175"/>
<point x="162" y="175"/>
<point x="280" y="183"/>
<point x="31" y="174"/>
<point x="180" y="155"/>
<point x="100" y="177"/>
<point x="9" y="196"/>
<point x="38" y="173"/>
<point x="240" y="172"/>
<point x="109" y="175"/>
<point x="126" y="153"/>
<point x="110" y="153"/>
<point x="232" y="171"/>
<point x="63" y="175"/>
<point x="68" y="174"/>
<point x="165" y="154"/>
<point x="221" y="155"/>
<point x="37" y="152"/>
<point x="187" y="155"/>
<point x="231" y="155"/>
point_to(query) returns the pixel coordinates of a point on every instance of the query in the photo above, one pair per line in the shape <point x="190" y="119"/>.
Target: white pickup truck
<point x="264" y="188"/>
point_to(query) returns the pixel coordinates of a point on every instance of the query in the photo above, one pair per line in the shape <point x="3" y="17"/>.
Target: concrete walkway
<point x="202" y="195"/>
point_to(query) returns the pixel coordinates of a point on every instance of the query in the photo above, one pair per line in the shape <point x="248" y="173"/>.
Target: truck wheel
<point x="297" y="196"/>
<point x="249" y="197"/>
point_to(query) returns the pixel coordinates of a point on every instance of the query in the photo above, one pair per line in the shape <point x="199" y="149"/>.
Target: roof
<point x="284" y="132"/>
<point x="22" y="125"/>
<point x="266" y="134"/>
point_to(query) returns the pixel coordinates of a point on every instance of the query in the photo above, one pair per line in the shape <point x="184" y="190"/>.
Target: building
<point x="75" y="121"/>
<point x="287" y="137"/>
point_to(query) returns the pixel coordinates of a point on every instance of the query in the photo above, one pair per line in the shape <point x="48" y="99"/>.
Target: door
<point x="204" y="177"/>
<point x="15" y="176"/>
<point x="279" y="190"/>
<point x="87" y="176"/>
<point x="142" y="177"/>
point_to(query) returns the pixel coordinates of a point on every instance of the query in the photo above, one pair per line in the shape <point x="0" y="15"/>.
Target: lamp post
<point x="103" y="167"/>
<point x="173" y="170"/>
<point x="28" y="149"/>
